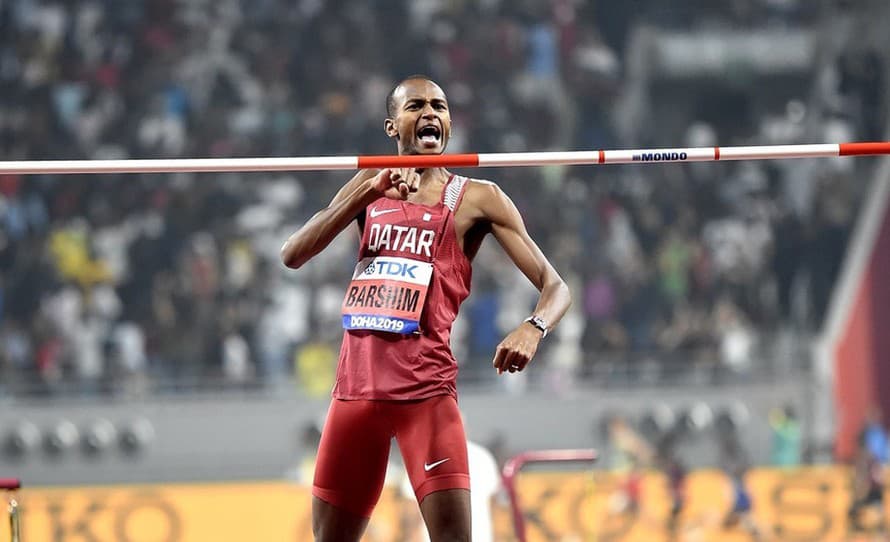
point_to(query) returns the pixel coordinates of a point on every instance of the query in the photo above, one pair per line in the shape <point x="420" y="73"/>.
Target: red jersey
<point x="396" y="366"/>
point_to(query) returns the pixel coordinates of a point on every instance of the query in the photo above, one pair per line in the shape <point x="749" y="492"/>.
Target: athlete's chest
<point x="416" y="226"/>
<point x="395" y="227"/>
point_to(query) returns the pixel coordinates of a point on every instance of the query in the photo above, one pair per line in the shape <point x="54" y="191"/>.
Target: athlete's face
<point x="422" y="122"/>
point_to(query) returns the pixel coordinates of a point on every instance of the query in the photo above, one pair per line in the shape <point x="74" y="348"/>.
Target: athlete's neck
<point x="432" y="175"/>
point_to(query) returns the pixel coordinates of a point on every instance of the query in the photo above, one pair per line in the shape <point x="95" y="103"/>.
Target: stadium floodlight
<point x="696" y="418"/>
<point x="135" y="436"/>
<point x="60" y="438"/>
<point x="21" y="440"/>
<point x="97" y="437"/>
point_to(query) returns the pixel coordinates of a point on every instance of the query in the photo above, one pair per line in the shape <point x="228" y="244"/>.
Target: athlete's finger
<point x="507" y="360"/>
<point x="383" y="180"/>
<point x="413" y="179"/>
<point x="520" y="361"/>
<point x="405" y="177"/>
<point x="403" y="182"/>
<point x="515" y="364"/>
<point x="498" y="361"/>
<point x="511" y="361"/>
<point x="524" y="355"/>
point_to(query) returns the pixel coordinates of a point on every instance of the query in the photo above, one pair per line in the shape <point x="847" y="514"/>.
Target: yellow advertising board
<point x="182" y="513"/>
<point x="808" y="504"/>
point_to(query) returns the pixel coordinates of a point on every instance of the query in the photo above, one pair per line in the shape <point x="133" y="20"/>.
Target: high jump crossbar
<point x="511" y="159"/>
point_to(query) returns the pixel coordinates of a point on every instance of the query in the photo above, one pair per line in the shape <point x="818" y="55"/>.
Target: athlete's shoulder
<point x="486" y="194"/>
<point x="481" y="189"/>
<point x="478" y="197"/>
<point x="479" y="183"/>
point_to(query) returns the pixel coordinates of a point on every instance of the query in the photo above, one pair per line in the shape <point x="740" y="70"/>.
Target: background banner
<point x="806" y="504"/>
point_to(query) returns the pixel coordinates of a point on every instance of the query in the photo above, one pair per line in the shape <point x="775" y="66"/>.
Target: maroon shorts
<point x="354" y="450"/>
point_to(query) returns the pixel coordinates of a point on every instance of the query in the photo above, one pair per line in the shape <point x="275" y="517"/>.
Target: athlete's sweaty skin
<point x="420" y="123"/>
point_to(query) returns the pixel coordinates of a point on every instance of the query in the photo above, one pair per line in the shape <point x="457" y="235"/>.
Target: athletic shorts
<point x="354" y="450"/>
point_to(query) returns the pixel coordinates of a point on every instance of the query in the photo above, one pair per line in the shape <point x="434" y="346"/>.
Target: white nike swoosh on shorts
<point x="430" y="466"/>
<point x="375" y="213"/>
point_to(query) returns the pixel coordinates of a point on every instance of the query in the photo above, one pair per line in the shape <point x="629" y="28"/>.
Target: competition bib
<point x="387" y="294"/>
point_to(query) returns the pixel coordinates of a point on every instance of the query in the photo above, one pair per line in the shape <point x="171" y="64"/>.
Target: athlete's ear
<point x="389" y="126"/>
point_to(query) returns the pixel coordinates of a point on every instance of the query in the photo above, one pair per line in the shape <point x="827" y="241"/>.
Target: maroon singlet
<point x="392" y="366"/>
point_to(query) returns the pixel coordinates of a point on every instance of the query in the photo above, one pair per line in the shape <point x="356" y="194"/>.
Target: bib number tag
<point x="387" y="294"/>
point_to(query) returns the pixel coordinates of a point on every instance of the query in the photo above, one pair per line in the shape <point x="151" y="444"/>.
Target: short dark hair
<point x="391" y="97"/>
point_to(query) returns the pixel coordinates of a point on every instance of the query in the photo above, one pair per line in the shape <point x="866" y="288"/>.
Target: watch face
<point x="538" y="322"/>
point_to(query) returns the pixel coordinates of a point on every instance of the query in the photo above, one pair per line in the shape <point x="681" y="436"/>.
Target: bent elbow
<point x="290" y="257"/>
<point x="566" y="292"/>
<point x="291" y="261"/>
<point x="560" y="290"/>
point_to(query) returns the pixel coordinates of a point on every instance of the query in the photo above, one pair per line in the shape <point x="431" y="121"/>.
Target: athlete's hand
<point x="517" y="349"/>
<point x="397" y="183"/>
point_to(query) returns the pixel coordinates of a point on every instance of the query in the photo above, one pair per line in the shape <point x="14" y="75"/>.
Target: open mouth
<point x="429" y="135"/>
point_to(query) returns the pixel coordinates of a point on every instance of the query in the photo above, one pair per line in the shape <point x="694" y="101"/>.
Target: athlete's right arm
<point x="364" y="188"/>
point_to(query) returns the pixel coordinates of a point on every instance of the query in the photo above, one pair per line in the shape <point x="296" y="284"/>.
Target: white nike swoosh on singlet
<point x="375" y="213"/>
<point x="430" y="466"/>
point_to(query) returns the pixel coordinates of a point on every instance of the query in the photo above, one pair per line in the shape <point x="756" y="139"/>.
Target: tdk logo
<point x="659" y="157"/>
<point x="392" y="269"/>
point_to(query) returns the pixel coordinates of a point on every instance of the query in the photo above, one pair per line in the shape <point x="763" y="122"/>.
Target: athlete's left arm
<point x="520" y="345"/>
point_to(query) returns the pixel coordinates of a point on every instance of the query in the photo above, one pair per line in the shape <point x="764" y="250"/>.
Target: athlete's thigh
<point x="332" y="524"/>
<point x="431" y="437"/>
<point x="352" y="456"/>
<point x="446" y="514"/>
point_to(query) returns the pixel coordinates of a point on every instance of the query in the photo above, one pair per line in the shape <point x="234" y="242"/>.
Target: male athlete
<point x="396" y="376"/>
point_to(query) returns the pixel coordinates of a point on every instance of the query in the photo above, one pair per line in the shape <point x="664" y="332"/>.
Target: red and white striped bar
<point x="322" y="163"/>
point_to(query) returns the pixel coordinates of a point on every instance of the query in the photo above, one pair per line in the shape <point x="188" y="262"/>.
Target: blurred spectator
<point x="735" y="337"/>
<point x="144" y="281"/>
<point x="874" y="436"/>
<point x="675" y="470"/>
<point x="626" y="447"/>
<point x="316" y="367"/>
<point x="736" y="463"/>
<point x="787" y="439"/>
<point x="861" y="80"/>
<point x="303" y="469"/>
<point x="868" y="488"/>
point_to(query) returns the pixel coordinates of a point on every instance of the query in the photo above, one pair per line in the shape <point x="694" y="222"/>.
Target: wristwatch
<point x="539" y="323"/>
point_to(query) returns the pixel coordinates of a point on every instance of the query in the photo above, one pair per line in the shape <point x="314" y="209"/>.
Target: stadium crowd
<point x="124" y="282"/>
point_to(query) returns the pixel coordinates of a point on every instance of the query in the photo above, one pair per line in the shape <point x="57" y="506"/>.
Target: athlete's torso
<point x="392" y="366"/>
